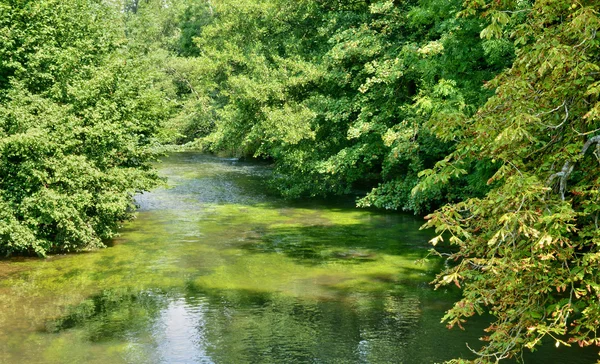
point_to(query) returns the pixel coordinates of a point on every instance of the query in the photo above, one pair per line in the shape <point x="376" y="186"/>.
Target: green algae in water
<point x="216" y="270"/>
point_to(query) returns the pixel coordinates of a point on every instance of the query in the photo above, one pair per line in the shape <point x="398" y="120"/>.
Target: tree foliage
<point x="340" y="95"/>
<point x="78" y="116"/>
<point x="528" y="250"/>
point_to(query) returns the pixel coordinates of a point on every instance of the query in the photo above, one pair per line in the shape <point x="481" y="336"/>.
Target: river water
<point x="216" y="270"/>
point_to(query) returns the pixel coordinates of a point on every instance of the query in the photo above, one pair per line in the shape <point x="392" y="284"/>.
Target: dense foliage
<point x="487" y="110"/>
<point x="78" y="115"/>
<point x="343" y="97"/>
<point x="528" y="250"/>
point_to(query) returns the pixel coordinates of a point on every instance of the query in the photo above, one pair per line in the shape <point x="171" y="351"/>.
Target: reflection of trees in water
<point x="241" y="326"/>
<point x="112" y="315"/>
<point x="252" y="327"/>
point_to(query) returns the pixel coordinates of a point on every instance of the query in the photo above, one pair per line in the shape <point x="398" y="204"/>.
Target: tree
<point x="528" y="251"/>
<point x="78" y="118"/>
<point x="339" y="95"/>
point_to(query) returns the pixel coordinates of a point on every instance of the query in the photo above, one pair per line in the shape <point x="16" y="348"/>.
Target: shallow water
<point x="215" y="270"/>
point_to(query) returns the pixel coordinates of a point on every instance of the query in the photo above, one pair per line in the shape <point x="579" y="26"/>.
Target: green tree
<point x="528" y="252"/>
<point x="340" y="96"/>
<point x="78" y="117"/>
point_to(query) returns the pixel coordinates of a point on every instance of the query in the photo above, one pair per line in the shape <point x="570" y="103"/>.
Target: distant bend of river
<point x="216" y="270"/>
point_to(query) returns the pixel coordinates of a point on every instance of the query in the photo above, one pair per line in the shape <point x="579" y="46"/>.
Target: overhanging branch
<point x="567" y="168"/>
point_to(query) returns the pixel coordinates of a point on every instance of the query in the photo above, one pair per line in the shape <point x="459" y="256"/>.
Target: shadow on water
<point x="316" y="244"/>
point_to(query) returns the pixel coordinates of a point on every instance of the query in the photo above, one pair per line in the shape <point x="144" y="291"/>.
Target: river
<point x="216" y="270"/>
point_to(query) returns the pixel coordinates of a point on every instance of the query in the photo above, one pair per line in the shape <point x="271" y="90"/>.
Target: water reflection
<point x="247" y="327"/>
<point x="216" y="270"/>
<point x="180" y="332"/>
